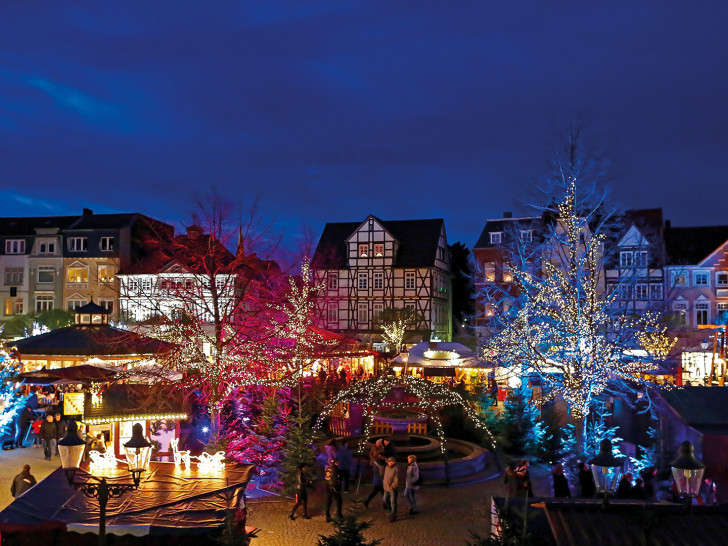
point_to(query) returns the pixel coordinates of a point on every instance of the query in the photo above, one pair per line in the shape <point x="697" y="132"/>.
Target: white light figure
<point x="180" y="457"/>
<point x="101" y="461"/>
<point x="209" y="464"/>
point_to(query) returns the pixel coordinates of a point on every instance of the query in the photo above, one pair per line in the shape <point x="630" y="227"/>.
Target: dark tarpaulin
<point x="84" y="373"/>
<point x="168" y="501"/>
<point x="438" y="371"/>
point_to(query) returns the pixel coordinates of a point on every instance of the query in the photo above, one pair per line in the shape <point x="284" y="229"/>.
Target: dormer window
<point x="107" y="244"/>
<point x="15" y="246"/>
<point x="46" y="247"/>
<point x="77" y="244"/>
<point x="378" y="250"/>
<point x="526" y="235"/>
<point x="721" y="279"/>
<point x="496" y="237"/>
<point x="626" y="258"/>
<point x="364" y="251"/>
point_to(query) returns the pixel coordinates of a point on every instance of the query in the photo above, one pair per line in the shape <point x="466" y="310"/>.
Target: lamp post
<point x="688" y="472"/>
<point x="606" y="469"/>
<point x="138" y="453"/>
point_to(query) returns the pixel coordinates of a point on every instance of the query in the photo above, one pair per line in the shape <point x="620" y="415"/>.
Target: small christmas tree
<point x="522" y="431"/>
<point x="348" y="532"/>
<point x="299" y="449"/>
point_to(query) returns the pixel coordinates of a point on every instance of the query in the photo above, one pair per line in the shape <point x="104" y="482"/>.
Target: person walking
<point x="35" y="432"/>
<point x="412" y="483"/>
<point x="376" y="461"/>
<point x="586" y="481"/>
<point x="48" y="437"/>
<point x="391" y="486"/>
<point x="523" y="479"/>
<point x="301" y="494"/>
<point x="333" y="489"/>
<point x="22" y="482"/>
<point x="25" y="419"/>
<point x="61" y="428"/>
<point x="561" y="484"/>
<point x="343" y="454"/>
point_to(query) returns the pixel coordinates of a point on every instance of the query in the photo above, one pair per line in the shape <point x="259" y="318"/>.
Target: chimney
<point x="87" y="212"/>
<point x="194" y="232"/>
<point x="667" y="224"/>
<point x="507" y="214"/>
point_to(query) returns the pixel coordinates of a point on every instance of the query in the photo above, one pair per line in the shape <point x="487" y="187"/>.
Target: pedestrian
<point x="343" y="454"/>
<point x="100" y="443"/>
<point x="301" y="494"/>
<point x="388" y="448"/>
<point x="649" y="477"/>
<point x="48" y="437"/>
<point x="35" y="432"/>
<point x="412" y="483"/>
<point x="624" y="489"/>
<point x="330" y="450"/>
<point x="22" y="482"/>
<point x="586" y="481"/>
<point x="377" y="476"/>
<point x="523" y="479"/>
<point x="391" y="486"/>
<point x="333" y="489"/>
<point x="61" y="428"/>
<point x="561" y="484"/>
<point x="25" y="419"/>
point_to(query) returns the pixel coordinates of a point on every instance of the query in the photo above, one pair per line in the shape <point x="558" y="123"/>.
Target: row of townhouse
<point x="681" y="272"/>
<point x="63" y="262"/>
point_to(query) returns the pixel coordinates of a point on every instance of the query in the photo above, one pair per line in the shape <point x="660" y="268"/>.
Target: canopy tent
<point x="84" y="373"/>
<point x="441" y="355"/>
<point x="169" y="501"/>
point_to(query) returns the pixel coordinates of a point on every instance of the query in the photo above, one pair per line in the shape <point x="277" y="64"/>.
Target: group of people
<point x="385" y="479"/>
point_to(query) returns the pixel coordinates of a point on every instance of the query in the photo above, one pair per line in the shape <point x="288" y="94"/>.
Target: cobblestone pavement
<point x="447" y="515"/>
<point x="11" y="463"/>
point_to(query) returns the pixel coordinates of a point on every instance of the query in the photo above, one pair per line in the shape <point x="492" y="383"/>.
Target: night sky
<point x="330" y="111"/>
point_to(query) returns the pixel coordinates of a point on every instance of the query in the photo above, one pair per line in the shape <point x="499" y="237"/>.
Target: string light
<point x="102" y="461"/>
<point x="144" y="417"/>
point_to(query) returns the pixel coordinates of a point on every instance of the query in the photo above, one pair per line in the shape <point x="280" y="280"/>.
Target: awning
<point x="73" y="374"/>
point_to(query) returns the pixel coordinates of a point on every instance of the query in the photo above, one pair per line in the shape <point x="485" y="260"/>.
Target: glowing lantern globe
<point x="138" y="453"/>
<point x="71" y="448"/>
<point x="687" y="471"/>
<point x="606" y="469"/>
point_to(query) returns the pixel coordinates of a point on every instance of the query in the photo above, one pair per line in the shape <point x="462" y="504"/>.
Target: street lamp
<point x="138" y="453"/>
<point x="688" y="472"/>
<point x="606" y="469"/>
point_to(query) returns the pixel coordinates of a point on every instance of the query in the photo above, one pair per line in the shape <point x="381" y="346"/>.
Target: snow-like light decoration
<point x="210" y="464"/>
<point x="441" y="355"/>
<point x="101" y="461"/>
<point x="432" y="397"/>
<point x="556" y="319"/>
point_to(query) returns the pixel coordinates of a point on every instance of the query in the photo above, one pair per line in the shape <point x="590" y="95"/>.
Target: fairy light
<point x="211" y="464"/>
<point x="143" y="417"/>
<point x="101" y="461"/>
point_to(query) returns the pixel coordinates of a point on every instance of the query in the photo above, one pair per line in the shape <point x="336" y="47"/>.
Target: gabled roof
<point x="691" y="245"/>
<point x="136" y="399"/>
<point x="418" y="240"/>
<point x="507" y="226"/>
<point x="28" y="225"/>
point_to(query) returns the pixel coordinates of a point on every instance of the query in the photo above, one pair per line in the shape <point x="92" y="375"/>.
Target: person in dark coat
<point x="649" y="477"/>
<point x="301" y="494"/>
<point x="561" y="484"/>
<point x="48" y="436"/>
<point x="333" y="489"/>
<point x="61" y="428"/>
<point x="25" y="419"/>
<point x="388" y="448"/>
<point x="22" y="482"/>
<point x="523" y="479"/>
<point x="625" y="489"/>
<point x="586" y="481"/>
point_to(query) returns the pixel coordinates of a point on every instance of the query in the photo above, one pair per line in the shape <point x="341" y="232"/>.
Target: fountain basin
<point x="400" y="420"/>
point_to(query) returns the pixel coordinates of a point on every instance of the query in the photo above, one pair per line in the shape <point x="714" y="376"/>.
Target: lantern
<point x="606" y="469"/>
<point x="138" y="453"/>
<point x="687" y="471"/>
<point x="71" y="448"/>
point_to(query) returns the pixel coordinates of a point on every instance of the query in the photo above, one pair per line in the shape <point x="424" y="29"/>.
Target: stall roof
<point x="439" y="354"/>
<point x="85" y="373"/>
<point x="168" y="501"/>
<point x="135" y="399"/>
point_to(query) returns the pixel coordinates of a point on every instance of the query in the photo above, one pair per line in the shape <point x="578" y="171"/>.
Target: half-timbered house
<point x="371" y="266"/>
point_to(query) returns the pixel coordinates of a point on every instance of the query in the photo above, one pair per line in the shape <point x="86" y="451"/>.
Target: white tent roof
<point x="442" y="354"/>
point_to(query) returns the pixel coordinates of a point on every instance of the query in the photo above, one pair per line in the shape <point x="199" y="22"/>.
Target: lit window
<point x="378" y="250"/>
<point x="378" y="280"/>
<point x="679" y="279"/>
<point x="680" y="312"/>
<point x="409" y="280"/>
<point x="496" y="237"/>
<point x="489" y="272"/>
<point x="700" y="278"/>
<point x="363" y="281"/>
<point x="46" y="274"/>
<point x="107" y="243"/>
<point x="106" y="273"/>
<point x="77" y="244"/>
<point x="46" y="247"/>
<point x="333" y="280"/>
<point x="363" y="251"/>
<point x="77" y="275"/>
<point x="43" y="303"/>
<point x="626" y="258"/>
<point x="507" y="275"/>
<point x="15" y="246"/>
